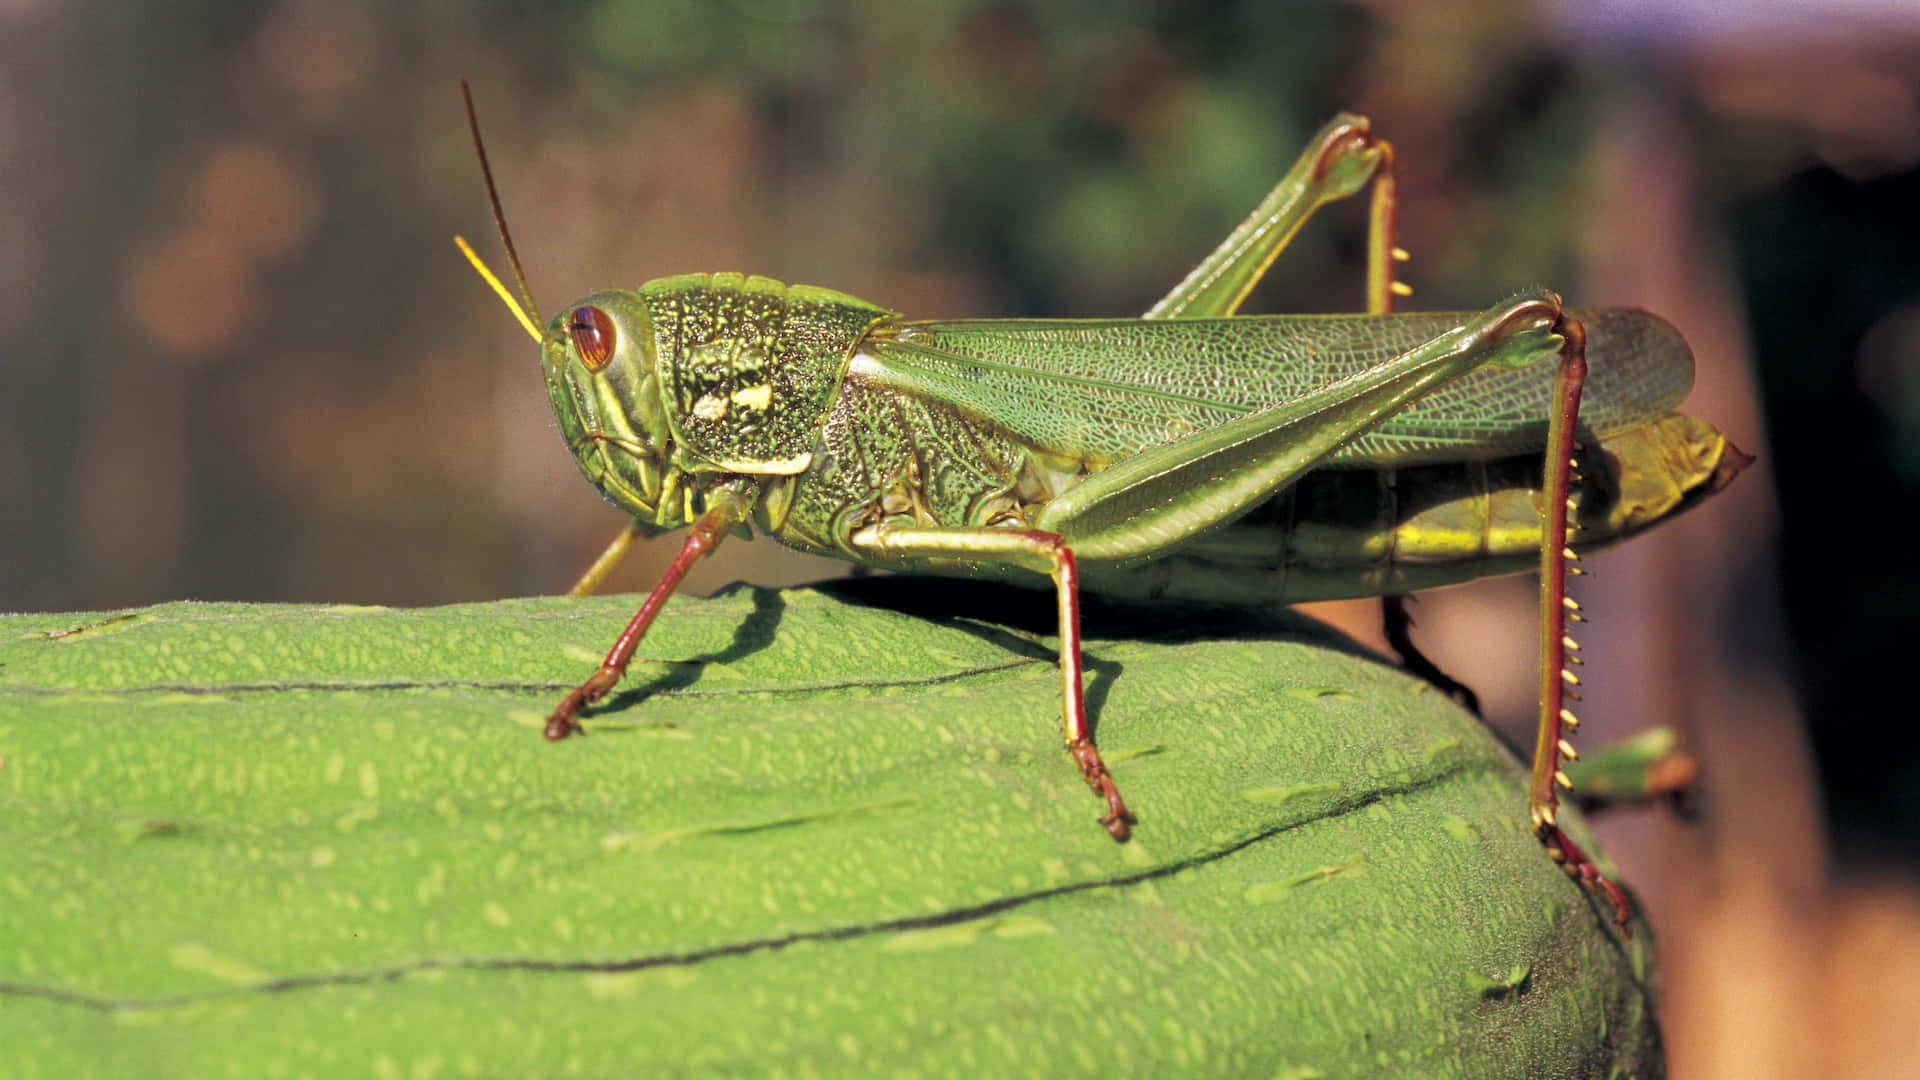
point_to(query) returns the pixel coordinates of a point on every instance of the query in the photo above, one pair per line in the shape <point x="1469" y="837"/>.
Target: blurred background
<point x="240" y="358"/>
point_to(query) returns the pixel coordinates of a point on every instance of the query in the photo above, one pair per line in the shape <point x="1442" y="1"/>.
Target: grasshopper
<point x="1192" y="452"/>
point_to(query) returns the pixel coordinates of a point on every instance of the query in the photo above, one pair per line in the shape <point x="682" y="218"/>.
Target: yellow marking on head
<point x="512" y="304"/>
<point x="710" y="407"/>
<point x="756" y="398"/>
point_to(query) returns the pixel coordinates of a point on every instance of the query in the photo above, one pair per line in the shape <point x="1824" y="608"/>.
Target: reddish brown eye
<point x="592" y="333"/>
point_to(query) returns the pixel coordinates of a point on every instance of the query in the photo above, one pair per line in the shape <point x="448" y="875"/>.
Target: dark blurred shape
<point x="1830" y="272"/>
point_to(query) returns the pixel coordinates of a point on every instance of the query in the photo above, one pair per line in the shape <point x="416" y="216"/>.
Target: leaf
<point x="816" y="830"/>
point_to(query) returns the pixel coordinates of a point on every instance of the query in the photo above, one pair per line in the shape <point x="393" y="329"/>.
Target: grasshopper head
<point x="598" y="359"/>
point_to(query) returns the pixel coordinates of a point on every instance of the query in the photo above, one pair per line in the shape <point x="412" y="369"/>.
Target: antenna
<point x="530" y="316"/>
<point x="500" y="289"/>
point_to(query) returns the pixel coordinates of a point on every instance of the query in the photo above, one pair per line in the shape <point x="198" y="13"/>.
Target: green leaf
<point x="813" y="832"/>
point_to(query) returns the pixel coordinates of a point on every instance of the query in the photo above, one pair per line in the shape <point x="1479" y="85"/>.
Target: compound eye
<point x="593" y="336"/>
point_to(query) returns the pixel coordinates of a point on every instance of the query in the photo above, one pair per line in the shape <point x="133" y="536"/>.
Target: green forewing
<point x="1099" y="390"/>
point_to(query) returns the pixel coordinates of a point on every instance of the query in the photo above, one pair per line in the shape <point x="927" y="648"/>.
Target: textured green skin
<point x="241" y="839"/>
<point x="974" y="423"/>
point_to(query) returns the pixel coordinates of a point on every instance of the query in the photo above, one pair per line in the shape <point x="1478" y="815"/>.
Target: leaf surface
<point x="815" y="831"/>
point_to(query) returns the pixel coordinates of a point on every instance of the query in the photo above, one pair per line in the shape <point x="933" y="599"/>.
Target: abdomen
<point x="1373" y="532"/>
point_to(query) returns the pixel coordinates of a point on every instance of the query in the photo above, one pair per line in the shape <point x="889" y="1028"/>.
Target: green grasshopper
<point x="1188" y="453"/>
